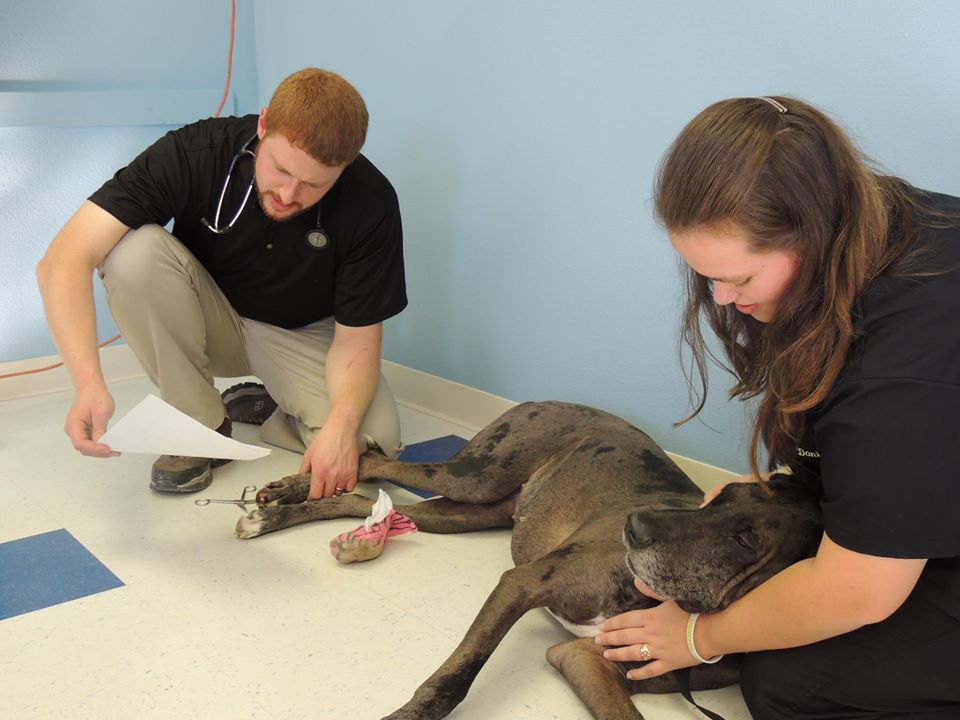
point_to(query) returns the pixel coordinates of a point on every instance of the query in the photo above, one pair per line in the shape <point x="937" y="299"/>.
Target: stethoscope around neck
<point x="316" y="237"/>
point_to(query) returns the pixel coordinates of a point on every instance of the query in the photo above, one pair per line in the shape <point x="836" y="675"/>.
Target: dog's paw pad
<point x="349" y="548"/>
<point x="367" y="541"/>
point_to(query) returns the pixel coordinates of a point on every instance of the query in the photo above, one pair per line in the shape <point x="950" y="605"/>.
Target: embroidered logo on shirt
<point x="807" y="453"/>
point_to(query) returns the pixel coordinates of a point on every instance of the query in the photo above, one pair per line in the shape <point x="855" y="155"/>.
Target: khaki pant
<point x="184" y="332"/>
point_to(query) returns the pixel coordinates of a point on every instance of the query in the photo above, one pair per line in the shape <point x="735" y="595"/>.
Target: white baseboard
<point x="421" y="391"/>
<point x="704" y="475"/>
<point x="444" y="398"/>
<point x="117" y="361"/>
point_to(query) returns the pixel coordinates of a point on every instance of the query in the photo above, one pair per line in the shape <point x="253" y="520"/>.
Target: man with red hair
<point x="292" y="288"/>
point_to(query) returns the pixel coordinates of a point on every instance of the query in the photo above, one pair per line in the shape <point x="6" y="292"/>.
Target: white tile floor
<point x="207" y="625"/>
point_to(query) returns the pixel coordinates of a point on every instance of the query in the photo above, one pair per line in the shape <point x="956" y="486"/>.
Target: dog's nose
<point x="638" y="531"/>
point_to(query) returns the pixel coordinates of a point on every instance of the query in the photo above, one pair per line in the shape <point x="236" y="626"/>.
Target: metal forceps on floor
<point x="241" y="503"/>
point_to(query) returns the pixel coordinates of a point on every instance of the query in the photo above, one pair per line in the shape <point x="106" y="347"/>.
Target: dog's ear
<point x="788" y="489"/>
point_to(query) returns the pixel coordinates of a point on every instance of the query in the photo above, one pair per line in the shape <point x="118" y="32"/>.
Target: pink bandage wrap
<point x="367" y="541"/>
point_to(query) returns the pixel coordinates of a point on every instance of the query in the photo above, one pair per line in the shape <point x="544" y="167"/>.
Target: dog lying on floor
<point x="577" y="484"/>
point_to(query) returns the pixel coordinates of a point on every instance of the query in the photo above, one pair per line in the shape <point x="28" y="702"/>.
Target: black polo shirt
<point x="267" y="269"/>
<point x="883" y="450"/>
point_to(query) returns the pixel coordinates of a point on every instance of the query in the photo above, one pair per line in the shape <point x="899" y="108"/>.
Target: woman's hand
<point x="657" y="635"/>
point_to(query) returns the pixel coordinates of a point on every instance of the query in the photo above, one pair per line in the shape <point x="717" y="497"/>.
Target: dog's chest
<point x="589" y="629"/>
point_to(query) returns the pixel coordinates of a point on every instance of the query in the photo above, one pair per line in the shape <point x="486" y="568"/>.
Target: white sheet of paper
<point x="157" y="428"/>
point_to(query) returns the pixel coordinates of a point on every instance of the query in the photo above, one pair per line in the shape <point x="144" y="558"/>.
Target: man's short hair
<point x="320" y="113"/>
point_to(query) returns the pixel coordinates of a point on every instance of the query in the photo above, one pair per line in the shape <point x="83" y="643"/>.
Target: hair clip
<point x="780" y="107"/>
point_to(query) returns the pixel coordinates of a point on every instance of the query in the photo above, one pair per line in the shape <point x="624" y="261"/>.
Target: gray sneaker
<point x="249" y="403"/>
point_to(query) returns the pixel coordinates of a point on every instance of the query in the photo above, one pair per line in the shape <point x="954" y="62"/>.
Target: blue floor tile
<point x="435" y="450"/>
<point x="48" y="569"/>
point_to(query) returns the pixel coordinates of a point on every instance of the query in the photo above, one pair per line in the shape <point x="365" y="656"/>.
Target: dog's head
<point x="705" y="559"/>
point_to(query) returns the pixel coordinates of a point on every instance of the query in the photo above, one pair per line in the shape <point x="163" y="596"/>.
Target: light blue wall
<point x="522" y="137"/>
<point x="85" y="85"/>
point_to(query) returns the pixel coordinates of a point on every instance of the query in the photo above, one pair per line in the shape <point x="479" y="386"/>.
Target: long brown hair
<point x="794" y="182"/>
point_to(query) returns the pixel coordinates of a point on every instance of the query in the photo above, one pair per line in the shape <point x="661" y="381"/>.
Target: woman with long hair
<point x="835" y="293"/>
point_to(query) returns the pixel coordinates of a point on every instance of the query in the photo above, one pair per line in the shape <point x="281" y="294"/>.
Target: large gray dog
<point x="576" y="484"/>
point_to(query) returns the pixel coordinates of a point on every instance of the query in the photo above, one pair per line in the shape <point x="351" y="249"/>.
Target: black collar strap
<point x="683" y="681"/>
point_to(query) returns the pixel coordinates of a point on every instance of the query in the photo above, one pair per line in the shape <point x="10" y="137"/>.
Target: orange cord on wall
<point x="223" y="100"/>
<point x="226" y="87"/>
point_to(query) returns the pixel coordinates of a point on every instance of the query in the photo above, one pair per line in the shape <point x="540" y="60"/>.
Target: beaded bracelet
<point x="691" y="624"/>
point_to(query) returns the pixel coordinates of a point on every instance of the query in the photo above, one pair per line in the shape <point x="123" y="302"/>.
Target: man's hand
<point x="332" y="461"/>
<point x="87" y="421"/>
<point x="65" y="278"/>
<point x="352" y="371"/>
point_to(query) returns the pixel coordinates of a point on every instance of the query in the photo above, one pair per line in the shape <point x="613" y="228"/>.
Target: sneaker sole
<point x="237" y="394"/>
<point x="194" y="484"/>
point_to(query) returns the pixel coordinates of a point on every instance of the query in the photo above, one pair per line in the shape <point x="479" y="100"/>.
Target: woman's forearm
<point x="815" y="599"/>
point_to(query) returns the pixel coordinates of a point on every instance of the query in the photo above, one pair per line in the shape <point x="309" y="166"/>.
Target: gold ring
<point x="645" y="653"/>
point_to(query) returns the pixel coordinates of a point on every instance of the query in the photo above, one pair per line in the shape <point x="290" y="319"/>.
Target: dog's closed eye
<point x="746" y="539"/>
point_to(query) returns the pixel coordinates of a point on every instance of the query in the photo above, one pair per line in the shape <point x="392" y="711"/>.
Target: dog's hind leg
<point x="597" y="682"/>
<point x="437" y="516"/>
<point x="467" y="479"/>
<point x="605" y="690"/>
<point x="474" y="476"/>
<point x="442" y="515"/>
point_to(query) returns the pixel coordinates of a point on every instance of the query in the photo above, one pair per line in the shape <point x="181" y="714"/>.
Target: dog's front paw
<point x="413" y="711"/>
<point x="402" y="714"/>
<point x="429" y="704"/>
<point x="290" y="490"/>
<point x="267" y="519"/>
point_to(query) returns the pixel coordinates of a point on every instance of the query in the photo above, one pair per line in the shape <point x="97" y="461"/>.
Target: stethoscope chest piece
<point x="317" y="239"/>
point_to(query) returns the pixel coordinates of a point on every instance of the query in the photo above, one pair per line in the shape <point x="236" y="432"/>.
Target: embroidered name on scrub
<point x="807" y="453"/>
